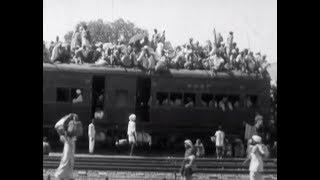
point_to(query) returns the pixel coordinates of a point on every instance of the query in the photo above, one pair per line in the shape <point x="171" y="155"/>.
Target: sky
<point x="253" y="22"/>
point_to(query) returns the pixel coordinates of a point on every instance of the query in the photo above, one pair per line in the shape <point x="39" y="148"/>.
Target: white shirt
<point x="78" y="99"/>
<point x="91" y="131"/>
<point x="131" y="127"/>
<point x="219" y="138"/>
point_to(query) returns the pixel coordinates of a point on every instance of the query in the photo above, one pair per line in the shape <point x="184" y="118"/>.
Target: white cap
<point x="256" y="138"/>
<point x="132" y="117"/>
<point x="78" y="91"/>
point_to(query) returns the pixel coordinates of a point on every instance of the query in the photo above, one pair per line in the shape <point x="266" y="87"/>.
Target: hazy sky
<point x="254" y="22"/>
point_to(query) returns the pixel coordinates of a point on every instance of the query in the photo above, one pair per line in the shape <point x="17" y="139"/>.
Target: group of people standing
<point x="256" y="151"/>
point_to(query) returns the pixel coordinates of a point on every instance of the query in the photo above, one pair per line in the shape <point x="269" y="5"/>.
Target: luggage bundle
<point x="70" y="125"/>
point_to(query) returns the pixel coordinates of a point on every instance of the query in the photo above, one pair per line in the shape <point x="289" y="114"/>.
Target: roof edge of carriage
<point x="91" y="68"/>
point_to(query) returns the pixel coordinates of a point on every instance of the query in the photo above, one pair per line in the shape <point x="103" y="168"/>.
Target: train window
<point x="162" y="98"/>
<point x="251" y="101"/>
<point x="222" y="102"/>
<point x="233" y="101"/>
<point x="205" y="99"/>
<point x="189" y="100"/>
<point x="176" y="99"/>
<point x="121" y="98"/>
<point x="76" y="95"/>
<point x="63" y="95"/>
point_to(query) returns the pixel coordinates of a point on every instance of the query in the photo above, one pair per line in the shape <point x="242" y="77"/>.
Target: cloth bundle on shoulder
<point x="75" y="128"/>
<point x="70" y="124"/>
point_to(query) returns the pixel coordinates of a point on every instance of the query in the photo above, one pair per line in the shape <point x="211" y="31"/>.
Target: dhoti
<point x="256" y="176"/>
<point x="131" y="138"/>
<point x="91" y="145"/>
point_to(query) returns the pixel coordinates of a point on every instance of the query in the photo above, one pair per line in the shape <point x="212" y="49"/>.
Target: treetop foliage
<point x="109" y="31"/>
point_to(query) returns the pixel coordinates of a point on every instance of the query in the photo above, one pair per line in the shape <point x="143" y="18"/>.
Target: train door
<point x="143" y="99"/>
<point x="98" y="96"/>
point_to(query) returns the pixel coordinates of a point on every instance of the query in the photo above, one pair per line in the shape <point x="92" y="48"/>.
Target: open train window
<point x="234" y="100"/>
<point x="121" y="98"/>
<point x="205" y="99"/>
<point x="63" y="95"/>
<point x="189" y="100"/>
<point x="251" y="101"/>
<point x="76" y="95"/>
<point x="223" y="102"/>
<point x="176" y="99"/>
<point x="162" y="98"/>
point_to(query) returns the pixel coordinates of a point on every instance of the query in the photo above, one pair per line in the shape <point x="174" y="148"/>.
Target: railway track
<point x="158" y="164"/>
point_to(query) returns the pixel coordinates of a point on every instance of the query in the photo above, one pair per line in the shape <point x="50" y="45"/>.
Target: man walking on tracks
<point x="219" y="137"/>
<point x="189" y="158"/>
<point x="256" y="154"/>
<point x="132" y="134"/>
<point x="91" y="135"/>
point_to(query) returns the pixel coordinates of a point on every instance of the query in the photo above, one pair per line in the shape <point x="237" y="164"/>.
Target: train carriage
<point x="153" y="98"/>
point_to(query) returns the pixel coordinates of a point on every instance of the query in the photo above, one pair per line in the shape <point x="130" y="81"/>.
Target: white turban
<point x="188" y="142"/>
<point x="132" y="117"/>
<point x="256" y="138"/>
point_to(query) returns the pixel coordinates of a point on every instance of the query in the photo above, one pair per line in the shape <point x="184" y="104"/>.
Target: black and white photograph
<point x="159" y="90"/>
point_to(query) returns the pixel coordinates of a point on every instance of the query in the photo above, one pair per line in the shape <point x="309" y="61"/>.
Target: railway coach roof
<point x="89" y="68"/>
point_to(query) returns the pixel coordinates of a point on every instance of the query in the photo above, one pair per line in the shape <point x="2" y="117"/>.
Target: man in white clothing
<point x="78" y="99"/>
<point x="91" y="135"/>
<point x="219" y="137"/>
<point x="132" y="134"/>
<point x="257" y="152"/>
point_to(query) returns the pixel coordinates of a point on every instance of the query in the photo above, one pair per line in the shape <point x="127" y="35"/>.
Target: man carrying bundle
<point x="186" y="169"/>
<point x="69" y="127"/>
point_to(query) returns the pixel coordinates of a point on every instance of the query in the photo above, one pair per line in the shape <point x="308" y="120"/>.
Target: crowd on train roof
<point x="157" y="54"/>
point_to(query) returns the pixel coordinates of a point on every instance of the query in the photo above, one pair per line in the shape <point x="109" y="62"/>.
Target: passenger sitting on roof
<point x="155" y="39"/>
<point x="143" y="59"/>
<point x="85" y="36"/>
<point x="46" y="53"/>
<point x="78" y="99"/>
<point x="56" y="52"/>
<point x="76" y="38"/>
<point x="189" y="103"/>
<point x="97" y="52"/>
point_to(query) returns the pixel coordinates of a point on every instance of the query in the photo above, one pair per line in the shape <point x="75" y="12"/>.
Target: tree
<point x="109" y="31"/>
<point x="68" y="36"/>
